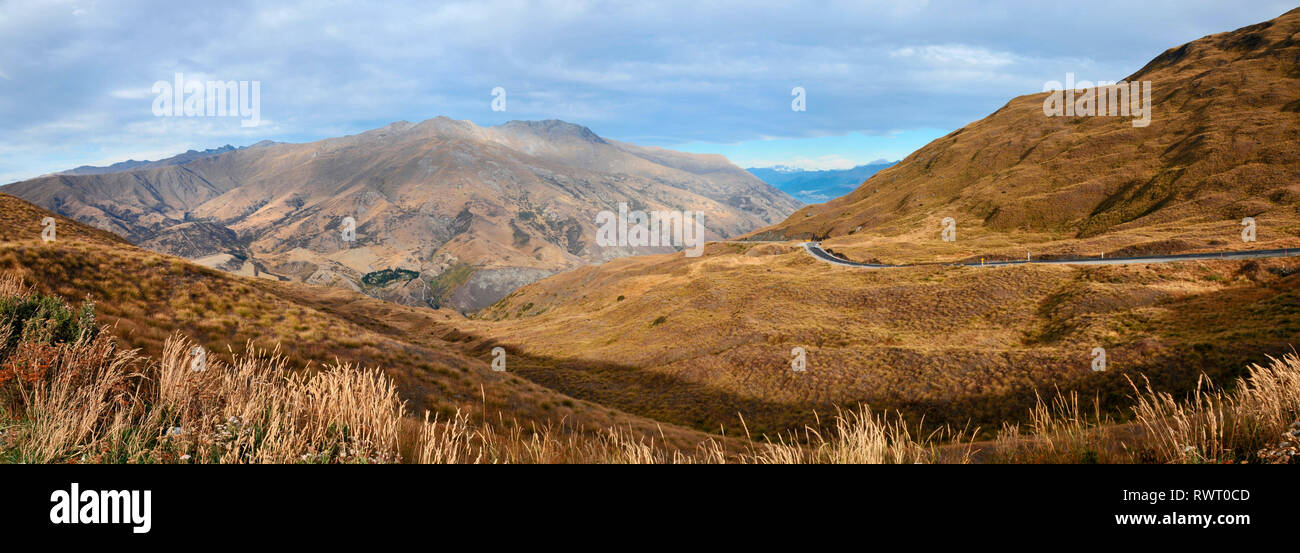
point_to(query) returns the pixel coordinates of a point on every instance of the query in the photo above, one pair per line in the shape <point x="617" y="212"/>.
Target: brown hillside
<point x="697" y="341"/>
<point x="1223" y="143"/>
<point x="145" y="297"/>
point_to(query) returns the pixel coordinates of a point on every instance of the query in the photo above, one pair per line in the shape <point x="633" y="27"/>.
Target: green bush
<point x="382" y="278"/>
<point x="43" y="319"/>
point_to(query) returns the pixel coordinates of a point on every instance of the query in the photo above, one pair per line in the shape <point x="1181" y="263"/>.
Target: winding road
<point x="815" y="249"/>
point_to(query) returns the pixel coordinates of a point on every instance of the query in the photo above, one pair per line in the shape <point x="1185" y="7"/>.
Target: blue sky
<point x="882" y="78"/>
<point x="831" y="151"/>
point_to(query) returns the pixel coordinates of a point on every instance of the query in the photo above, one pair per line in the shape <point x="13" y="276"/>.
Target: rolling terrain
<point x="438" y="361"/>
<point x="145" y="297"/>
<point x="696" y="341"/>
<point x="952" y="345"/>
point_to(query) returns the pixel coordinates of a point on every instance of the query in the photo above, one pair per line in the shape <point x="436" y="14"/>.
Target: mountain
<point x="144" y="297"/>
<point x="1223" y="143"/>
<point x="446" y="212"/>
<point x="815" y="186"/>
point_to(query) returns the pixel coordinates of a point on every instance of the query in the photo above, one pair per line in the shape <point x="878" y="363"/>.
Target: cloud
<point x="662" y="73"/>
<point x="132" y="94"/>
<point x="948" y="55"/>
<point x="809" y="164"/>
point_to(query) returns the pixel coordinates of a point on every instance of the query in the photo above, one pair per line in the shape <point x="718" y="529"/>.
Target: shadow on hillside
<point x="674" y="400"/>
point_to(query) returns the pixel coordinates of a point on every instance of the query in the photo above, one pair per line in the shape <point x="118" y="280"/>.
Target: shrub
<point x="39" y="320"/>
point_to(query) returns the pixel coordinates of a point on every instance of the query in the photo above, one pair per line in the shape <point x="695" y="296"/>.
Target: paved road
<point x="815" y="249"/>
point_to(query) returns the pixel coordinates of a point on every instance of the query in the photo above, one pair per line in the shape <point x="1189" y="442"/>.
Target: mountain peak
<point x="497" y="207"/>
<point x="553" y="128"/>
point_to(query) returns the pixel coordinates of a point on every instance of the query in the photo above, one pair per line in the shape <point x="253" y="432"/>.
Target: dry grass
<point x="1216" y="426"/>
<point x="1254" y="421"/>
<point x="956" y="345"/>
<point x="96" y="402"/>
<point x="857" y="437"/>
<point x="1058" y="431"/>
<point x="146" y="297"/>
<point x="100" y="404"/>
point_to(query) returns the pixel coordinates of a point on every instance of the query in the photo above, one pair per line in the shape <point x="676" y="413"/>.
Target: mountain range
<point x="820" y="185"/>
<point x="446" y="212"/>
<point x="131" y="164"/>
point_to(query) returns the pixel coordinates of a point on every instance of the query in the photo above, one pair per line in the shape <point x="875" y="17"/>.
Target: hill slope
<point x="145" y="297"/>
<point x="1223" y="143"/>
<point x="697" y="341"/>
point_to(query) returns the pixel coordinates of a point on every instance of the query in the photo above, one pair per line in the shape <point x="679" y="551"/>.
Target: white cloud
<point x="819" y="163"/>
<point x="132" y="94"/>
<point x="954" y="55"/>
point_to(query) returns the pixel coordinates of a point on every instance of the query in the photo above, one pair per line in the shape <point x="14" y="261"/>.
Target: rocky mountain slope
<point x="446" y="212"/>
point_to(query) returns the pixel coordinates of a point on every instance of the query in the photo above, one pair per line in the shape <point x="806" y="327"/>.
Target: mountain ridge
<point x="515" y="202"/>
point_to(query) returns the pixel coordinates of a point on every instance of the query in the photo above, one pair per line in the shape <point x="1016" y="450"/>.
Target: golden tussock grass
<point x="95" y="402"/>
<point x="957" y="346"/>
<point x="99" y="403"/>
<point x="1253" y="421"/>
<point x="1214" y="425"/>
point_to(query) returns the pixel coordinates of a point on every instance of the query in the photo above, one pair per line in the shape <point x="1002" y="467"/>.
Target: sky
<point x="879" y="79"/>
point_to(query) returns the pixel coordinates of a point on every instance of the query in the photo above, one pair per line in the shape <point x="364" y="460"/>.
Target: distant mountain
<point x="131" y="164"/>
<point x="447" y="213"/>
<point x="813" y="187"/>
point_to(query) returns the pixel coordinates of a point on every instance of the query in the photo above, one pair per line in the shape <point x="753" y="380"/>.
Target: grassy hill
<point x="694" y="341"/>
<point x="1223" y="143"/>
<point x="886" y="334"/>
